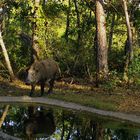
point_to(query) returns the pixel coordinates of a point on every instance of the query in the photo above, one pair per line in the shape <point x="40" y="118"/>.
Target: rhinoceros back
<point x="49" y="69"/>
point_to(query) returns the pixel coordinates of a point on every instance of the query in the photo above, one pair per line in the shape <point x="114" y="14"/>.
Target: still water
<point x="35" y="122"/>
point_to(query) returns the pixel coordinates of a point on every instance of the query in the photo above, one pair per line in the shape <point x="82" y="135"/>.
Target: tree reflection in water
<point x="38" y="122"/>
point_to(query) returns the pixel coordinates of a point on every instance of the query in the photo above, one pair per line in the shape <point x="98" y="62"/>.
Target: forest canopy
<point x="68" y="31"/>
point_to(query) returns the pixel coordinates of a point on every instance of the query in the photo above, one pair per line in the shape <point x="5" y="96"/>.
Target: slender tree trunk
<point x="128" y="47"/>
<point x="99" y="132"/>
<point x="4" y="115"/>
<point x="35" y="45"/>
<point x="78" y="23"/>
<point x="63" y="127"/>
<point x="7" y="60"/>
<point x="111" y="32"/>
<point x="68" y="20"/>
<point x="101" y="44"/>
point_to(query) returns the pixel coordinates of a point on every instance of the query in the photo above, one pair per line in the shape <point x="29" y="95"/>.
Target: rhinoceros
<point x="40" y="72"/>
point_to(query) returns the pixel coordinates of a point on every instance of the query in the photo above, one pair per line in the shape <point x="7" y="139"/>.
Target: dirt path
<point x="54" y="102"/>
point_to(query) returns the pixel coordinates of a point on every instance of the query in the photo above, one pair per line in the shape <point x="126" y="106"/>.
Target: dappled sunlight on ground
<point x="119" y="99"/>
<point x="130" y="104"/>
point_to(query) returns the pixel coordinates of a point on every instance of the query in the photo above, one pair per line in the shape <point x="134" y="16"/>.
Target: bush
<point x="134" y="70"/>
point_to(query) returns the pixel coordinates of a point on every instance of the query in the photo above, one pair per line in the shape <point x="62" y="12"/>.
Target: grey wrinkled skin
<point x="40" y="72"/>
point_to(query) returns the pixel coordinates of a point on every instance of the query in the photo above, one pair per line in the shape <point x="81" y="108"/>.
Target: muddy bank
<point x="54" y="102"/>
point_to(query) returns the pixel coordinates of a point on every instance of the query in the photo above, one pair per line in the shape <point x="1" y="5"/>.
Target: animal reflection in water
<point x="39" y="123"/>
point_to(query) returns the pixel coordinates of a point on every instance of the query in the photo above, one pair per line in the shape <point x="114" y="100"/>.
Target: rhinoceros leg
<point x="51" y="82"/>
<point x="42" y="85"/>
<point x="32" y="90"/>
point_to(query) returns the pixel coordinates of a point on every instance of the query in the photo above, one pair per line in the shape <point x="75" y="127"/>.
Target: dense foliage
<point x="66" y="32"/>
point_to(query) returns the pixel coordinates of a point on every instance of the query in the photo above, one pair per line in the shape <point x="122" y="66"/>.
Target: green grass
<point x="94" y="100"/>
<point x="81" y="94"/>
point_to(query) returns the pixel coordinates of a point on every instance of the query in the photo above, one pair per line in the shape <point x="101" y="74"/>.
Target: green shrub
<point x="134" y="70"/>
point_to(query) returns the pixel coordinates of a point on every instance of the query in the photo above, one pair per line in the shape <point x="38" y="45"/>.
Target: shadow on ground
<point x="19" y="88"/>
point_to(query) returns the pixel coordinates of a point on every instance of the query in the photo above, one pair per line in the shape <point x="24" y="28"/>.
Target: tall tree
<point x="111" y="32"/>
<point x="78" y="22"/>
<point x="4" y="115"/>
<point x="35" y="45"/>
<point x="68" y="20"/>
<point x="7" y="60"/>
<point x="4" y="50"/>
<point x="101" y="44"/>
<point x="128" y="47"/>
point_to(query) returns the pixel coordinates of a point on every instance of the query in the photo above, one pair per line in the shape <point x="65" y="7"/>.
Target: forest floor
<point x="122" y="99"/>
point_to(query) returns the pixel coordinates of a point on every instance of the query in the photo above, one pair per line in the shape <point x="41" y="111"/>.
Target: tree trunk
<point x="78" y="23"/>
<point x="68" y="20"/>
<point x="99" y="132"/>
<point x="101" y="44"/>
<point x="35" y="45"/>
<point x="8" y="64"/>
<point x="128" y="47"/>
<point x="4" y="115"/>
<point x="111" y="32"/>
<point x="63" y="127"/>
